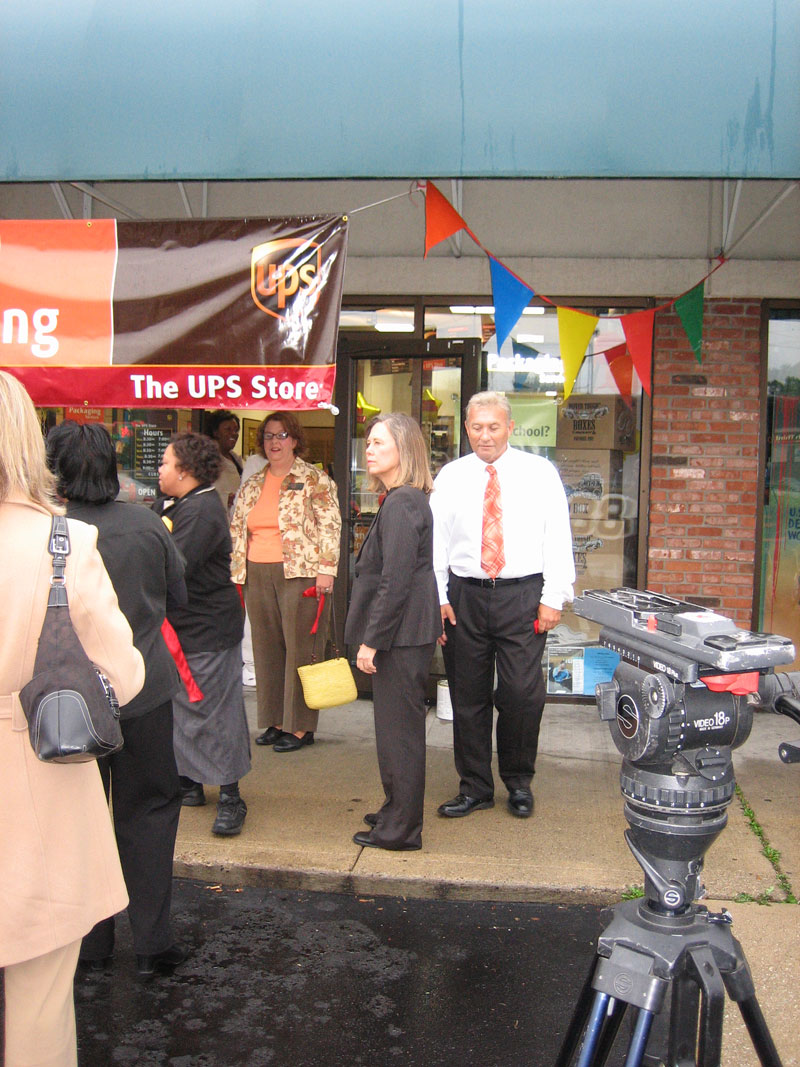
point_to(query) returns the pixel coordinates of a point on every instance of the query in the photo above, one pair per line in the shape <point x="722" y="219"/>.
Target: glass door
<point x="780" y="518"/>
<point x="429" y="380"/>
<point x="427" y="389"/>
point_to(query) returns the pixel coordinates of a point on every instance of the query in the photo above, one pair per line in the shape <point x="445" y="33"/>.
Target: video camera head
<point x="680" y="700"/>
<point x="682" y="665"/>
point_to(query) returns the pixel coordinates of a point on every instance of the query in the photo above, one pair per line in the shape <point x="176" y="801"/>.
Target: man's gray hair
<point x="490" y="400"/>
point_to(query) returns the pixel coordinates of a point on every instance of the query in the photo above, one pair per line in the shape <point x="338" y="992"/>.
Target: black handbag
<point x="71" y="708"/>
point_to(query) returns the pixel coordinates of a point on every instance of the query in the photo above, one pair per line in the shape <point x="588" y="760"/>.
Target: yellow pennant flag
<point x="575" y="330"/>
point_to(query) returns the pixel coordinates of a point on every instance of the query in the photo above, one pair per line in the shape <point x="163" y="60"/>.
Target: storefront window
<point x="780" y="561"/>
<point x="593" y="438"/>
<point x="139" y="437"/>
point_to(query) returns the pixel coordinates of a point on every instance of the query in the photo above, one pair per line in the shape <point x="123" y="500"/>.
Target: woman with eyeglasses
<point x="285" y="529"/>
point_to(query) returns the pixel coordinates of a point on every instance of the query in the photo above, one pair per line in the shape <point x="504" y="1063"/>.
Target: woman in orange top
<point x="286" y="528"/>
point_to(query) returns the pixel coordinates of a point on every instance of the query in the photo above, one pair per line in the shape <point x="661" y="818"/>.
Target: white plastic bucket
<point x="444" y="706"/>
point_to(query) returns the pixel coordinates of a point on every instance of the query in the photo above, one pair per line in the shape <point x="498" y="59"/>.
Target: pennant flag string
<point x="433" y="239"/>
<point x="512" y="294"/>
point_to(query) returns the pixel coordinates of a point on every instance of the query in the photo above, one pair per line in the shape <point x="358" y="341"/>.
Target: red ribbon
<point x="312" y="591"/>
<point x="174" y="645"/>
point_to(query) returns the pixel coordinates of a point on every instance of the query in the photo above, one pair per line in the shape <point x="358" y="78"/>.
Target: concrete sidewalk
<point x="304" y="806"/>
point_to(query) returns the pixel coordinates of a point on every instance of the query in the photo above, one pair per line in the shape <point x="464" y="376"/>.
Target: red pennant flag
<point x="638" y="328"/>
<point x="441" y="218"/>
<point x="621" y="366"/>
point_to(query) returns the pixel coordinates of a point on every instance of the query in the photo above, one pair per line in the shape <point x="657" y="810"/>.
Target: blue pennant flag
<point x="510" y="297"/>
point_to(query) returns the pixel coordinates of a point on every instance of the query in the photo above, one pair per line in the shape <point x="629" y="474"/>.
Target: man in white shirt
<point x="504" y="568"/>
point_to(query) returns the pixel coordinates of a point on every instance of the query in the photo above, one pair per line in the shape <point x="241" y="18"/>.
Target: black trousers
<point x="494" y="629"/>
<point x="398" y="695"/>
<point x="142" y="780"/>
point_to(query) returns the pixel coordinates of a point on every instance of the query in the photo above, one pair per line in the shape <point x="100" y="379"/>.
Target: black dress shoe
<point x="371" y="818"/>
<point x="230" y="816"/>
<point x="363" y="838"/>
<point x="520" y="802"/>
<point x="192" y="796"/>
<point x="463" y="805"/>
<point x="270" y="736"/>
<point x="161" y="962"/>
<point x="290" y="743"/>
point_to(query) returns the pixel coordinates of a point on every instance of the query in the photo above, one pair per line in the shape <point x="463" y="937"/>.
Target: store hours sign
<point x="188" y="313"/>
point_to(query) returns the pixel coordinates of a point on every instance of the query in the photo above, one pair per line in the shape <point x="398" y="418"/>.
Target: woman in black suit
<point x="395" y="620"/>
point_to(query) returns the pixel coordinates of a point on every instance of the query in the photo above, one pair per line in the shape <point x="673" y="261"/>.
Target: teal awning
<point x="166" y="89"/>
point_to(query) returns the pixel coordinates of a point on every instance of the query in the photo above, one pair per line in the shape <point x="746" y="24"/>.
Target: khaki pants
<point x="40" y="1010"/>
<point x="281" y="619"/>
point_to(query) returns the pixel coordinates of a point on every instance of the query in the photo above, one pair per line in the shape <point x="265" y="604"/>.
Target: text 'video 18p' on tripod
<point x="680" y="700"/>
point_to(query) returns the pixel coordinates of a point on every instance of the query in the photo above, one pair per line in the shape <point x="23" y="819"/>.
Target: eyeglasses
<point x="281" y="436"/>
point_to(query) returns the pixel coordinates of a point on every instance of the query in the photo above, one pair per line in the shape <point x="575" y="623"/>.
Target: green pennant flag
<point x="690" y="311"/>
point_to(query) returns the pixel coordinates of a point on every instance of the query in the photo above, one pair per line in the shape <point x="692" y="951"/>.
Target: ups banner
<point x="187" y="313"/>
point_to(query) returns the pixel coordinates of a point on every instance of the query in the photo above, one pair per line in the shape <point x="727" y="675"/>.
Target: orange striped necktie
<point x="492" y="555"/>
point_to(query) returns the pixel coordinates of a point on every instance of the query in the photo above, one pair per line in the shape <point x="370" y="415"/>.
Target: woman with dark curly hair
<point x="223" y="426"/>
<point x="212" y="740"/>
<point x="286" y="527"/>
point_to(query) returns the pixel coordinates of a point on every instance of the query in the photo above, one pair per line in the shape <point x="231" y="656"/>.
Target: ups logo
<point x="281" y="269"/>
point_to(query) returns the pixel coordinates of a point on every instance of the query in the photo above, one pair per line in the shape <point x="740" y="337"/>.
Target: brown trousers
<point x="281" y="619"/>
<point x="40" y="1010"/>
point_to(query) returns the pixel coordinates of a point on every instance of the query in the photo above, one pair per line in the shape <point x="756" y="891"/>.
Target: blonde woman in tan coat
<point x="59" y="868"/>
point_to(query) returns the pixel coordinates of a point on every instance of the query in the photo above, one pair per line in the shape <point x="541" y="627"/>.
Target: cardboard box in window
<point x="601" y="421"/>
<point x="576" y="669"/>
<point x="598" y="549"/>
<point x="592" y="480"/>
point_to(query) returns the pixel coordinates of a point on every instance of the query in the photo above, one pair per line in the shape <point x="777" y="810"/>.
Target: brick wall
<point x="704" y="503"/>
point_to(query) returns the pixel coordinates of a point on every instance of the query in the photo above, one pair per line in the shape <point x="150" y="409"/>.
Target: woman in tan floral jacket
<point x="285" y="529"/>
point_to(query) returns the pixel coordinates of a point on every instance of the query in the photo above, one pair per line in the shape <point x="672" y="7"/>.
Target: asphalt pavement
<point x="304" y="807"/>
<point x="290" y="978"/>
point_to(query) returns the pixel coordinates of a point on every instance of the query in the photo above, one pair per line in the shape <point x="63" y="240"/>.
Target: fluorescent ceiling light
<point x="349" y="317"/>
<point x="530" y="338"/>
<point x="394" y="327"/>
<point x="533" y="311"/>
<point x="471" y="309"/>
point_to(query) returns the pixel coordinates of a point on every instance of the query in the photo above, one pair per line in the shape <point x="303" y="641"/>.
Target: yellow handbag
<point x="329" y="682"/>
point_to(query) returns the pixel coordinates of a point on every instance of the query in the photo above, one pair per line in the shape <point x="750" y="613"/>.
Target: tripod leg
<point x="740" y="987"/>
<point x="638" y="1044"/>
<point x="613" y="1023"/>
<point x="683" y="1019"/>
<point x="594" y="1029"/>
<point x="759" y="1034"/>
<point x="712" y="1006"/>
<point x="606" y="1025"/>
<point x="577" y="1022"/>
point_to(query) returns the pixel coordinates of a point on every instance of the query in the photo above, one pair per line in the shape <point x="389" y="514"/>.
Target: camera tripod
<point x="680" y="701"/>
<point x="677" y="964"/>
<point x="666" y="955"/>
